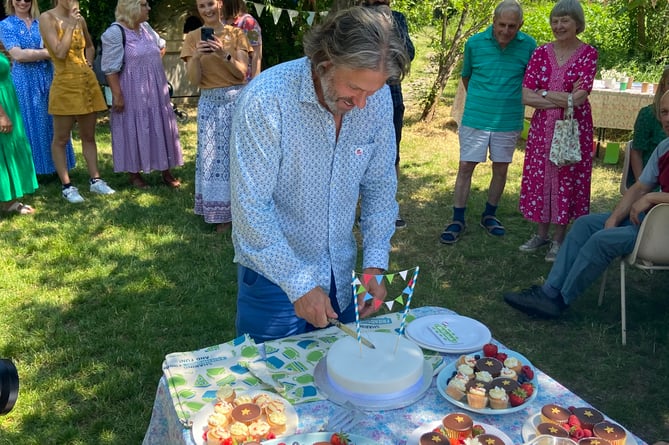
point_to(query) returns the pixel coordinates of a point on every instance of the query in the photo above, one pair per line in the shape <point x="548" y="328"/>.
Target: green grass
<point x="94" y="295"/>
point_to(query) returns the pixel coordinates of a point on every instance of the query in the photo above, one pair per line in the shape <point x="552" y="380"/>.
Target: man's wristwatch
<point x="544" y="93"/>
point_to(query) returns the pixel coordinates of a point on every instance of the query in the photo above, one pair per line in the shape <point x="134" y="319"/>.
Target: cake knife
<point x="351" y="332"/>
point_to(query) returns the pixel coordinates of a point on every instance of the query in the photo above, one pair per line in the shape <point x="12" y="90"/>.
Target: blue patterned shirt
<point x="295" y="185"/>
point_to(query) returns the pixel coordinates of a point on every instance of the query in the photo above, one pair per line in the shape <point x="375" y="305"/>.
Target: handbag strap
<point x="569" y="112"/>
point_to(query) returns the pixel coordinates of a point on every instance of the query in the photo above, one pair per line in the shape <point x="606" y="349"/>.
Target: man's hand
<point x="376" y="290"/>
<point x="640" y="205"/>
<point x="315" y="307"/>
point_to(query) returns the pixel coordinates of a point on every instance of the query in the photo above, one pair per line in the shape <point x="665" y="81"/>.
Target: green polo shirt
<point x="495" y="75"/>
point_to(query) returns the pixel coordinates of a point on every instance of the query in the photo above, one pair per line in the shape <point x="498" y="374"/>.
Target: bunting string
<point x="276" y="13"/>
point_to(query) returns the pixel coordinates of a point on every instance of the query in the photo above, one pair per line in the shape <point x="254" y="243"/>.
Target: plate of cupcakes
<point x="490" y="381"/>
<point x="441" y="431"/>
<point x="584" y="425"/>
<point x="244" y="416"/>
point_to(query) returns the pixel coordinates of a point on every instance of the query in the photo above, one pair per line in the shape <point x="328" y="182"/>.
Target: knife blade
<point x="351" y="332"/>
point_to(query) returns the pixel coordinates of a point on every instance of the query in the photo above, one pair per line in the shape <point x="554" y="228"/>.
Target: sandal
<point x="136" y="180"/>
<point x="452" y="232"/>
<point x="20" y="208"/>
<point x="492" y="225"/>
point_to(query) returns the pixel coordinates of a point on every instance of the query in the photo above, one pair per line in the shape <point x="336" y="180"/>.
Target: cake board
<point x="323" y="384"/>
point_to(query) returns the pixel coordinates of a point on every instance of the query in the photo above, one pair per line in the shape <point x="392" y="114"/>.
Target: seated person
<point x="597" y="239"/>
<point x="648" y="131"/>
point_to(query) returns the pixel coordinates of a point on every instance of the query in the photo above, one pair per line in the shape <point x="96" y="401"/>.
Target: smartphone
<point x="206" y="33"/>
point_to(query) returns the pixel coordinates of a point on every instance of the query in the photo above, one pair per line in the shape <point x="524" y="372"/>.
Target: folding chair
<point x="651" y="252"/>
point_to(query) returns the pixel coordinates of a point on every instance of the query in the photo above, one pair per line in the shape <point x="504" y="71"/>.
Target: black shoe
<point x="400" y="223"/>
<point x="534" y="301"/>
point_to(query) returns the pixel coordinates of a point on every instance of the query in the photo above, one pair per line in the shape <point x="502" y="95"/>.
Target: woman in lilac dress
<point x="32" y="73"/>
<point x="144" y="130"/>
<point x="550" y="194"/>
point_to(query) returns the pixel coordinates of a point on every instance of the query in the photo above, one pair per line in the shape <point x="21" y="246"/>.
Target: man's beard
<point x="330" y="94"/>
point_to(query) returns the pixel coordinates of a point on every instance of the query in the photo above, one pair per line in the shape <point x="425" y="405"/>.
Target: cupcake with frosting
<point x="508" y="373"/>
<point x="466" y="370"/>
<point x="216" y="436"/>
<point x="226" y="394"/>
<point x="223" y="408"/>
<point x="477" y="397"/>
<point x="216" y="420"/>
<point x="239" y="431"/>
<point x="483" y="376"/>
<point x="513" y="363"/>
<point x="498" y="398"/>
<point x="277" y="421"/>
<point x="468" y="360"/>
<point x="259" y="429"/>
<point x="456" y="388"/>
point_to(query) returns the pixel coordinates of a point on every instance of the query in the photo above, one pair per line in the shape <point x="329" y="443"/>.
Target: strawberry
<point x="527" y="371"/>
<point x="587" y="433"/>
<point x="477" y="429"/>
<point x="227" y="441"/>
<point x="576" y="432"/>
<point x="339" y="439"/>
<point x="501" y="356"/>
<point x="454" y="441"/>
<point x="517" y="397"/>
<point x="573" y="421"/>
<point x="490" y="350"/>
<point x="270" y="435"/>
<point x="528" y="388"/>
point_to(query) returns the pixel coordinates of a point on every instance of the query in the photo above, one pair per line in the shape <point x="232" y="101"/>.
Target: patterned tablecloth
<point x="610" y="108"/>
<point x="191" y="379"/>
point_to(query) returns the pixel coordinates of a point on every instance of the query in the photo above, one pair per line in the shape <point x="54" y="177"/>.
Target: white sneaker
<point x="72" y="194"/>
<point x="552" y="252"/>
<point x="101" y="187"/>
<point x="534" y="243"/>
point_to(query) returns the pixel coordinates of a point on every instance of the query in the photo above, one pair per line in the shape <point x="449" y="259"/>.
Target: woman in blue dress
<point x="32" y="73"/>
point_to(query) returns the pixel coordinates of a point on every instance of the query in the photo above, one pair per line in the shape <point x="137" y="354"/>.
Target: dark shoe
<point x="170" y="180"/>
<point x="400" y="223"/>
<point x="137" y="181"/>
<point x="534" y="301"/>
<point x="492" y="225"/>
<point x="452" y="232"/>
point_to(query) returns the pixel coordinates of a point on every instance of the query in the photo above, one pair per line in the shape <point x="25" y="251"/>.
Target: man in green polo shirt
<point x="492" y="74"/>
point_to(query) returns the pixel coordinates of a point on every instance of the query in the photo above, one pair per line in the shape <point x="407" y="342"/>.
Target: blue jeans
<point x="587" y="251"/>
<point x="265" y="312"/>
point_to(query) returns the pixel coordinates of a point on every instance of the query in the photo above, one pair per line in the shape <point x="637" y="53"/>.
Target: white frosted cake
<point x="375" y="373"/>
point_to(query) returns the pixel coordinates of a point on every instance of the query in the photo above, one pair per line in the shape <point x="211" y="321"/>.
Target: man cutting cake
<point x="310" y="139"/>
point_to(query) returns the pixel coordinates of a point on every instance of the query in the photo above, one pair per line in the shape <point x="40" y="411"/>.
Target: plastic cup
<point x="623" y="86"/>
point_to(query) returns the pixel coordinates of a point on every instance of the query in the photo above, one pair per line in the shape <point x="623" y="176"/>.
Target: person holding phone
<point x="216" y="57"/>
<point x="141" y="107"/>
<point x="75" y="95"/>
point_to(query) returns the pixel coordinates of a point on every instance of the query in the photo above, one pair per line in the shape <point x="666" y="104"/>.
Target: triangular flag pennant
<point x="399" y="300"/>
<point x="389" y="304"/>
<point x="368" y="297"/>
<point x="310" y="18"/>
<point x="377" y="303"/>
<point x="356" y="282"/>
<point x="403" y="274"/>
<point x="408" y="290"/>
<point x="291" y="15"/>
<point x="390" y="277"/>
<point x="360" y="289"/>
<point x="366" y="277"/>
<point x="379" y="278"/>
<point x="259" y="8"/>
<point x="276" y="13"/>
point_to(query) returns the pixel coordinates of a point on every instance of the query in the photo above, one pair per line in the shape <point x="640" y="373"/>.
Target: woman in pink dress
<point x="550" y="194"/>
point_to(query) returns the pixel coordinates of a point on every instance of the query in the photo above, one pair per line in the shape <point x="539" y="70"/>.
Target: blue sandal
<point x="452" y="232"/>
<point x="492" y="225"/>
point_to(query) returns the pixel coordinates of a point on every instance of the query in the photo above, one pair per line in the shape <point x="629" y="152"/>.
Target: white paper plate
<point x="414" y="437"/>
<point x="323" y="383"/>
<point x="529" y="430"/>
<point x="471" y="334"/>
<point x="309" y="438"/>
<point x="199" y="419"/>
<point x="447" y="372"/>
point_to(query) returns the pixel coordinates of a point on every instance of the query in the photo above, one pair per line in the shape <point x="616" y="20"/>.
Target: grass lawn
<point x="94" y="295"/>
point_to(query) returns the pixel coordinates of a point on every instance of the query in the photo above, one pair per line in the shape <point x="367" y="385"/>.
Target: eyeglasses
<point x="23" y="1"/>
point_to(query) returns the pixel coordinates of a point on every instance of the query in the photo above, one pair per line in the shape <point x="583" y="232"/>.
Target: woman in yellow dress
<point x="75" y="95"/>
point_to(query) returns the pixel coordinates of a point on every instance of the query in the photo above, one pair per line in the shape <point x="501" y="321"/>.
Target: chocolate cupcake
<point x="457" y="425"/>
<point x="246" y="413"/>
<point x="489" y="439"/>
<point x="588" y="417"/>
<point x="552" y="429"/>
<point x="489" y="364"/>
<point x="610" y="431"/>
<point x="554" y="414"/>
<point x="433" y="438"/>
<point x="505" y="383"/>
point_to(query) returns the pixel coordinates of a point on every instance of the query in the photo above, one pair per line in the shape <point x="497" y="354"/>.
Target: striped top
<point x="495" y="77"/>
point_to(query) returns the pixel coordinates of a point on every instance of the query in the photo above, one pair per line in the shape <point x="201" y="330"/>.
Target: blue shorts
<point x="265" y="312"/>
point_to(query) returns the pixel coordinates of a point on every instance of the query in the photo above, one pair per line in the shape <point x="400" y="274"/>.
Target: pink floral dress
<point x="548" y="193"/>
